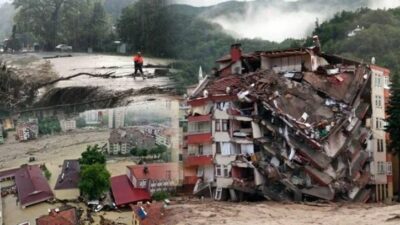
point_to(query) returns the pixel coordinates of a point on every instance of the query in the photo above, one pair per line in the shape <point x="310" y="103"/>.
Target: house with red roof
<point x="125" y="193"/>
<point x="59" y="217"/>
<point x="32" y="186"/>
<point x="148" y="214"/>
<point x="154" y="177"/>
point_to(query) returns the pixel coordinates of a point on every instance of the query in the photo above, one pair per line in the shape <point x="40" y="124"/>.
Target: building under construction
<point x="295" y="124"/>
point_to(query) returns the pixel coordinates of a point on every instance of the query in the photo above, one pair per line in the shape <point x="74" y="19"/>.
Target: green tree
<point x="75" y="22"/>
<point x="157" y="151"/>
<point x="393" y="120"/>
<point x="142" y="153"/>
<point x="49" y="126"/>
<point x="160" y="195"/>
<point x="94" y="180"/>
<point x="134" y="151"/>
<point x="92" y="155"/>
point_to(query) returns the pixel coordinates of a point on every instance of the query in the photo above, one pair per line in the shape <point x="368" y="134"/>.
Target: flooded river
<point x="94" y="63"/>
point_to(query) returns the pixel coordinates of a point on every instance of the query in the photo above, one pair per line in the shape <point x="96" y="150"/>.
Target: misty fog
<point x="277" y="20"/>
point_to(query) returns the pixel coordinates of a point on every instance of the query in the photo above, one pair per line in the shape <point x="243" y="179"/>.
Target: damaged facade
<point x="289" y="125"/>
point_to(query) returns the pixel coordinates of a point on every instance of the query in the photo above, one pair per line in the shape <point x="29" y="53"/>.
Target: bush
<point x="160" y="195"/>
<point x="46" y="172"/>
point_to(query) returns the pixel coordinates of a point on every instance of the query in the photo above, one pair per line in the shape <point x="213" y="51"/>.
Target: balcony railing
<point x="198" y="131"/>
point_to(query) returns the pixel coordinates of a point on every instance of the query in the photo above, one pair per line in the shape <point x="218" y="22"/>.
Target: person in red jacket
<point x="138" y="60"/>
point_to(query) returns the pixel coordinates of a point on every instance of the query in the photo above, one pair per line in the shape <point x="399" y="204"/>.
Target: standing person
<point x="138" y="60"/>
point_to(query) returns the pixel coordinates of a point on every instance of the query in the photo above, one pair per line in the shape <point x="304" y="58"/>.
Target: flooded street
<point x="53" y="151"/>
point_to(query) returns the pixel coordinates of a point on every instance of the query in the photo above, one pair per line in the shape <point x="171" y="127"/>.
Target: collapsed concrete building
<point x="295" y="124"/>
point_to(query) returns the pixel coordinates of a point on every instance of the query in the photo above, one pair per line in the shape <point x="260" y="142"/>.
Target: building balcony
<point x="196" y="119"/>
<point x="199" y="138"/>
<point x="198" y="131"/>
<point x="198" y="160"/>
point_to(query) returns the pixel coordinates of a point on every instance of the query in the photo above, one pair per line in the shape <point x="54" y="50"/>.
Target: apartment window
<point x="218" y="147"/>
<point x="378" y="81"/>
<point x="218" y="193"/>
<point x="226" y="171"/>
<point x="380" y="123"/>
<point x="378" y="101"/>
<point x="381" y="168"/>
<point x="225" y="125"/>
<point x="222" y="171"/>
<point x="218" y="170"/>
<point x="387" y="82"/>
<point x="217" y="125"/>
<point x="379" y="145"/>
<point x="200" y="150"/>
<point x="389" y="168"/>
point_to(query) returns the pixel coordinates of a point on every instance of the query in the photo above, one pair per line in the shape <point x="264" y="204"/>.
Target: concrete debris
<point x="309" y="111"/>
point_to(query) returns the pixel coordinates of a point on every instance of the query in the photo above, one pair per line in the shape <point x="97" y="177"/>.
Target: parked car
<point x="98" y="208"/>
<point x="64" y="48"/>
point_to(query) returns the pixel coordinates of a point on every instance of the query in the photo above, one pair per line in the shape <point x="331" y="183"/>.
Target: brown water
<point x="102" y="64"/>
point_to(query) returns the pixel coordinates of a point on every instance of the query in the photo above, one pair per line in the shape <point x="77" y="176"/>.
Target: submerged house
<point x="27" y="131"/>
<point x="291" y="124"/>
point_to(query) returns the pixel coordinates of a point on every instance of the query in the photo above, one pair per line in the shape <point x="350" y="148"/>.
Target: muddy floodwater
<point x="121" y="66"/>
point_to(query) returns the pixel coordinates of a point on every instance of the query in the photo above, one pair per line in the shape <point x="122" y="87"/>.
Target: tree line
<point x="81" y="24"/>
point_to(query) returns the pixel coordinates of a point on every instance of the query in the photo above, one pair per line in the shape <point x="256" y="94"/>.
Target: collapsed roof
<point x="311" y="107"/>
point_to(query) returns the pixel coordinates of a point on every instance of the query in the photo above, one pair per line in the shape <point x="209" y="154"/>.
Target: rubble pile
<point x="313" y="141"/>
<point x="298" y="127"/>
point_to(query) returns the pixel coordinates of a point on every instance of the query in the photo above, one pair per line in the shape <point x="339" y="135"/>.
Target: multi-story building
<point x="123" y="140"/>
<point x="381" y="167"/>
<point x="295" y="123"/>
<point x="116" y="117"/>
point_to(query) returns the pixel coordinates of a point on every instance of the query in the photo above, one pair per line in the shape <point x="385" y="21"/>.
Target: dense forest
<point x="81" y="24"/>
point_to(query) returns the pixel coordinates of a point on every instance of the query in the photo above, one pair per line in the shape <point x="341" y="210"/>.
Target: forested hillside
<point x="379" y="36"/>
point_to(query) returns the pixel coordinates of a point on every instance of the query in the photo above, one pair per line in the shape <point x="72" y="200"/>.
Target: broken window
<point x="380" y="147"/>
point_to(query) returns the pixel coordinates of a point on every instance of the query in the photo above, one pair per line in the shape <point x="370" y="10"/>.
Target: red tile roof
<point x="219" y="86"/>
<point x="32" y="186"/>
<point x="8" y="173"/>
<point x="199" y="160"/>
<point x="155" y="214"/>
<point x="156" y="171"/>
<point x="124" y="192"/>
<point x="199" y="138"/>
<point x="64" y="217"/>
